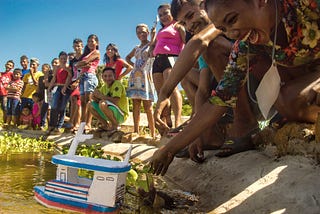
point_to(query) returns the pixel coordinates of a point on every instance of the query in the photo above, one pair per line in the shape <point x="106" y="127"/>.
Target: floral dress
<point x="301" y="19"/>
<point x="140" y="82"/>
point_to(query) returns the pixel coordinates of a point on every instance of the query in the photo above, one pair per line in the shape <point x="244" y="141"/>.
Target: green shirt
<point x="117" y="90"/>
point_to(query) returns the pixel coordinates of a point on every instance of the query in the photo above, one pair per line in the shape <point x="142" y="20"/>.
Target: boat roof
<point x="93" y="164"/>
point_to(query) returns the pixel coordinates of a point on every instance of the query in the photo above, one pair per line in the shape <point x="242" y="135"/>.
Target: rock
<point x="117" y="136"/>
<point x="129" y="137"/>
<point x="293" y="139"/>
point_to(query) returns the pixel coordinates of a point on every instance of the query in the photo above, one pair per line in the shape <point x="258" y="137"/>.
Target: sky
<point x="43" y="28"/>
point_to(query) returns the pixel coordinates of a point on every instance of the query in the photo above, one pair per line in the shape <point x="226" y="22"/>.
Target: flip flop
<point x="236" y="145"/>
<point x="87" y="130"/>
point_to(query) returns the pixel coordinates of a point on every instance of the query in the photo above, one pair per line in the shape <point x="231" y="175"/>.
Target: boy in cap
<point x="30" y="83"/>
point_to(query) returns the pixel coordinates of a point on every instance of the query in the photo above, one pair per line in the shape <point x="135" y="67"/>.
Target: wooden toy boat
<point x="102" y="194"/>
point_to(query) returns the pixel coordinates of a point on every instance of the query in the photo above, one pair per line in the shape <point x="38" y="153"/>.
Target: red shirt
<point x="61" y="76"/>
<point x="5" y="78"/>
<point x="117" y="65"/>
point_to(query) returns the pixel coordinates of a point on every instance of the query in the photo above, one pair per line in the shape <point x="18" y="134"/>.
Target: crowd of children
<point x="39" y="100"/>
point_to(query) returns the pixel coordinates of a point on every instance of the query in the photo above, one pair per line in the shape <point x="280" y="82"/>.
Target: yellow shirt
<point x="30" y="87"/>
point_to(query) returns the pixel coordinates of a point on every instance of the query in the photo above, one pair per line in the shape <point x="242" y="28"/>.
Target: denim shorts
<point x="88" y="83"/>
<point x="13" y="107"/>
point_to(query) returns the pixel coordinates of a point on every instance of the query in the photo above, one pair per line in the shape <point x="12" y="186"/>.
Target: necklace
<point x="269" y="87"/>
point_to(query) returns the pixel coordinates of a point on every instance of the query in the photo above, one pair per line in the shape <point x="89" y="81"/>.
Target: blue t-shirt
<point x="24" y="72"/>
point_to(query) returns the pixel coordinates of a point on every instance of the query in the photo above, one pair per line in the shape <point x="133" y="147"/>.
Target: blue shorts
<point x="13" y="107"/>
<point x="88" y="83"/>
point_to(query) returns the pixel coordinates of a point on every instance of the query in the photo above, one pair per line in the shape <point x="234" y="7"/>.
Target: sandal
<point x="86" y="130"/>
<point x="74" y="129"/>
<point x="236" y="145"/>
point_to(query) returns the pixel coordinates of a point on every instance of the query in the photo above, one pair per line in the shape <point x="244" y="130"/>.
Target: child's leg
<point x="9" y="111"/>
<point x="4" y="108"/>
<point x="44" y="111"/>
<point x="8" y="120"/>
<point x="15" y="120"/>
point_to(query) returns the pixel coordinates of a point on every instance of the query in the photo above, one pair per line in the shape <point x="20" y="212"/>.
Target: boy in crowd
<point x="14" y="89"/>
<point x="24" y="62"/>
<point x="75" y="104"/>
<point x="110" y="103"/>
<point x="5" y="78"/>
<point x="30" y="83"/>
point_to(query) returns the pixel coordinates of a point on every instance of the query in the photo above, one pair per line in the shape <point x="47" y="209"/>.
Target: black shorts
<point x="162" y="62"/>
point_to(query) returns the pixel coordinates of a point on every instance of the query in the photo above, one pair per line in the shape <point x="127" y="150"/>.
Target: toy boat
<point x="102" y="194"/>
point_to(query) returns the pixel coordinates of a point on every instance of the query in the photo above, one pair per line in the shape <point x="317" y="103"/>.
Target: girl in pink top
<point x="112" y="59"/>
<point x="169" y="40"/>
<point x="88" y="78"/>
<point x="36" y="111"/>
<point x="167" y="45"/>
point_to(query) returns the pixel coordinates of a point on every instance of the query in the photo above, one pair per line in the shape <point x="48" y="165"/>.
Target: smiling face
<point x="77" y="47"/>
<point x="193" y="18"/>
<point x="165" y="16"/>
<point x="17" y="74"/>
<point x="25" y="111"/>
<point x="242" y="19"/>
<point x="92" y="43"/>
<point x="9" y="66"/>
<point x="24" y="63"/>
<point x="63" y="59"/>
<point x="108" y="77"/>
<point x="33" y="66"/>
<point x="142" y="33"/>
<point x="55" y="62"/>
<point x="110" y="51"/>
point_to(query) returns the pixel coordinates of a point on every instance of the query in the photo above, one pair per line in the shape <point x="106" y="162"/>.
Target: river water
<point x="19" y="173"/>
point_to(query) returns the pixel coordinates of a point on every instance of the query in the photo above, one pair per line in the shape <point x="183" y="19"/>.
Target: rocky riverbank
<point x="281" y="177"/>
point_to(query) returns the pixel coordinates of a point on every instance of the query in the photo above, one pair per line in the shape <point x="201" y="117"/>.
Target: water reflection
<point x="19" y="173"/>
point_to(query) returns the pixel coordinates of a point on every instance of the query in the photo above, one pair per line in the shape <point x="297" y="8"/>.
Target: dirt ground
<point x="282" y="176"/>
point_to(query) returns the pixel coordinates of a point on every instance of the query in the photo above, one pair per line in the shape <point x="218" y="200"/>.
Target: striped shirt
<point x="15" y="88"/>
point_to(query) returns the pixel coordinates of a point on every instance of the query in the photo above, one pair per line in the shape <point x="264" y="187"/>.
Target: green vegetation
<point x="13" y="143"/>
<point x="186" y="107"/>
